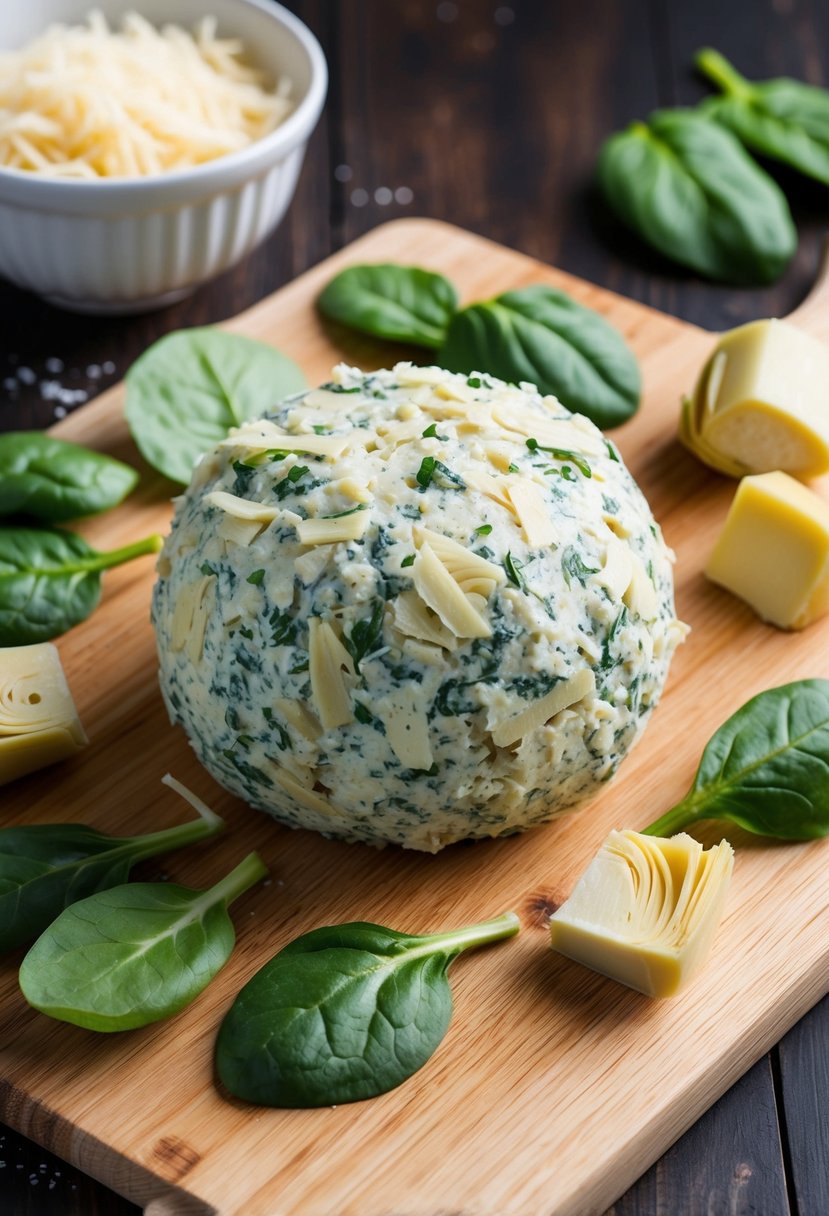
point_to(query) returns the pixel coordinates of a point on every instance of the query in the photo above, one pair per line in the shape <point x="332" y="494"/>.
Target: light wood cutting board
<point x="554" y="1088"/>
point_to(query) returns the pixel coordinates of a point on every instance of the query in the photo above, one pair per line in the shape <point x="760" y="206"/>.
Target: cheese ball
<point x="414" y="607"/>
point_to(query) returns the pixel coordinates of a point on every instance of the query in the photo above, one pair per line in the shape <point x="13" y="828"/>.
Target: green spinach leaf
<point x="687" y="187"/>
<point x="766" y="768"/>
<point x="343" y="1013"/>
<point x="403" y="303"/>
<point x="134" y="954"/>
<point x="783" y="119"/>
<point x="188" y="389"/>
<point x="46" y="867"/>
<point x="541" y="335"/>
<point x="51" y="580"/>
<point x="53" y="480"/>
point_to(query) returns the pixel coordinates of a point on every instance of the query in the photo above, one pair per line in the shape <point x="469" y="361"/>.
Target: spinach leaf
<point x="403" y="303"/>
<point x="46" y="867"/>
<point x="188" y="389"/>
<point x="53" y="480"/>
<point x="687" y="187"/>
<point x="51" y="580"/>
<point x="343" y="1013"/>
<point x="541" y="335"/>
<point x="134" y="954"/>
<point x="783" y="119"/>
<point x="766" y="768"/>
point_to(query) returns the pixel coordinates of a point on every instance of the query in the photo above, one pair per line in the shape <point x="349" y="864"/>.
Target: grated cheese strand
<point x="87" y="101"/>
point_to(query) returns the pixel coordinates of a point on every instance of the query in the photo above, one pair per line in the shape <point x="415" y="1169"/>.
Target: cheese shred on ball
<point x="88" y="102"/>
<point x="414" y="607"/>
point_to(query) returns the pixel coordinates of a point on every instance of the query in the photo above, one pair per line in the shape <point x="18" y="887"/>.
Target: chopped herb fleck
<point x="283" y="739"/>
<point x="288" y="484"/>
<point x="284" y="628"/>
<point x="363" y="506"/>
<point x="426" y="471"/>
<point x="256" y="578"/>
<point x="364" y="715"/>
<point x="513" y="468"/>
<point x="514" y="570"/>
<point x="244" y="475"/>
<point x="607" y="661"/>
<point x="320" y="430"/>
<point x="574" y="567"/>
<point x="408" y="560"/>
<point x="366" y="634"/>
<point x="612" y="451"/>
<point x="483" y="530"/>
<point x="563" y="454"/>
<point x="206" y="568"/>
<point x="431" y="432"/>
<point x="432" y="469"/>
<point x="331" y="387"/>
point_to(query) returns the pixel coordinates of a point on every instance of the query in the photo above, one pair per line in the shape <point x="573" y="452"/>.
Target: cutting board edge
<point x="812" y="987"/>
<point x="135" y="1182"/>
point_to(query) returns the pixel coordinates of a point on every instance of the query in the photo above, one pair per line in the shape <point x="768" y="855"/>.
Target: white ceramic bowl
<point x="127" y="245"/>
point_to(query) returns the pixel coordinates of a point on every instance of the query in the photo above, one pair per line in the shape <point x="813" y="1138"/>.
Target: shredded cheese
<point x="88" y="102"/>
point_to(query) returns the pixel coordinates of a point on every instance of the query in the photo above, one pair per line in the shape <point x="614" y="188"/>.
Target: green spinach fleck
<point x="434" y="470"/>
<point x="562" y="454"/>
<point x="366" y="635"/>
<point x="574" y="567"/>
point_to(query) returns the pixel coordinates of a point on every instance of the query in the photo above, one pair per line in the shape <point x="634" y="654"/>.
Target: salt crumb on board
<point x="52" y="380"/>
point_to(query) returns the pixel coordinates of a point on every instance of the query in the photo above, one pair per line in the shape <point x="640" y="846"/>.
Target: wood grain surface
<point x="490" y="116"/>
<point x="554" y="1088"/>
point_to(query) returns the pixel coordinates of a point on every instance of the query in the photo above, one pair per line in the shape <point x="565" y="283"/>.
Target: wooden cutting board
<point x="554" y="1088"/>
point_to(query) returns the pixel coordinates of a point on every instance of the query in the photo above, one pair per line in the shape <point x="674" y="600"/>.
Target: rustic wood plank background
<point x="489" y="115"/>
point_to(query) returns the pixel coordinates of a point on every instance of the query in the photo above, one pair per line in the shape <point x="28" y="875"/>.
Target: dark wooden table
<point x="490" y="115"/>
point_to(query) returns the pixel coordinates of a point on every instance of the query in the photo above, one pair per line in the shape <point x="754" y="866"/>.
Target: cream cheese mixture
<point x="414" y="607"/>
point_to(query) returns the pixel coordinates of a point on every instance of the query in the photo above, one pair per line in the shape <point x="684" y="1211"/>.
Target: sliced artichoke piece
<point x="646" y="909"/>
<point x="762" y="403"/>
<point x="38" y="720"/>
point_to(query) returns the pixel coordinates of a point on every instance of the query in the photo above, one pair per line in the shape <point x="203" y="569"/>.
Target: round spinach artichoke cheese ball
<point x="414" y="607"/>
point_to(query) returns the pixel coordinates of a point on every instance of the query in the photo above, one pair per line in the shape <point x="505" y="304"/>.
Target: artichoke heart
<point x="646" y="909"/>
<point x="38" y="720"/>
<point x="761" y="403"/>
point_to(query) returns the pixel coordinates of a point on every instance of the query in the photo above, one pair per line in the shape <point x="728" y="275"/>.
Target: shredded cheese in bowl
<point x="90" y="102"/>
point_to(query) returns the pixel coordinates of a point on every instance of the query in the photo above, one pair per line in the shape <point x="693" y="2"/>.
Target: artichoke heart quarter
<point x="646" y="909"/>
<point x="38" y="720"/>
<point x="761" y="403"/>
